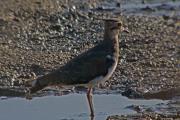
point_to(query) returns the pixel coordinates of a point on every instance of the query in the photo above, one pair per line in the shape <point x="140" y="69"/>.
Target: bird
<point x="89" y="68"/>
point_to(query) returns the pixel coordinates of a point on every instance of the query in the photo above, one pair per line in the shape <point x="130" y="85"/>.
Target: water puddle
<point x="68" y="107"/>
<point x="151" y="7"/>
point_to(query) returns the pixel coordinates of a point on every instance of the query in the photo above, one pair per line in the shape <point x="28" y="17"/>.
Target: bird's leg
<point x="89" y="97"/>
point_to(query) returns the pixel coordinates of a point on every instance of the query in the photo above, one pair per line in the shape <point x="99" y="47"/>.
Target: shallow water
<point x="158" y="8"/>
<point x="150" y="7"/>
<point x="68" y="107"/>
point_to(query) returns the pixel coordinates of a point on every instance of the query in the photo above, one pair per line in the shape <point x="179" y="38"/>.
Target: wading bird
<point x="89" y="68"/>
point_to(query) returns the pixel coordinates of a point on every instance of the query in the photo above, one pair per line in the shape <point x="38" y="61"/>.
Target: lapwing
<point x="89" y="68"/>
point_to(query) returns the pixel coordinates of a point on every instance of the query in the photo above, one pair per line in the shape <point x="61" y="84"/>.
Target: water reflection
<point x="68" y="107"/>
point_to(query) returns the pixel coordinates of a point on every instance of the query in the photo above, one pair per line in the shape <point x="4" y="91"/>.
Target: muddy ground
<point x="39" y="36"/>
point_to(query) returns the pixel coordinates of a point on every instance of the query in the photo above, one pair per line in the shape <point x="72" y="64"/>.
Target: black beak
<point x="125" y="30"/>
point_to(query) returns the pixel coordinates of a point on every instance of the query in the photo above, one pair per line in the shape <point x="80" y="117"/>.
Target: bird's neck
<point x="112" y="42"/>
<point x="111" y="37"/>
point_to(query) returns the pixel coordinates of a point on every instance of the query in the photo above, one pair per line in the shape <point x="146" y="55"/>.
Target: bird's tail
<point x="37" y="84"/>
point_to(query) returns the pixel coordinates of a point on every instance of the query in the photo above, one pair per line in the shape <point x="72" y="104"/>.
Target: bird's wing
<point x="83" y="69"/>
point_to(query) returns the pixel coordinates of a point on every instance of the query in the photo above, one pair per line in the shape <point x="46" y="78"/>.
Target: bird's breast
<point x="112" y="61"/>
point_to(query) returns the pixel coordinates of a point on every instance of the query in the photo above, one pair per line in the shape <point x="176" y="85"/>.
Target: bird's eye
<point x="119" y="24"/>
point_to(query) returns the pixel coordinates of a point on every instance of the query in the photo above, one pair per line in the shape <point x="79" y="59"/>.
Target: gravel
<point x="34" y="42"/>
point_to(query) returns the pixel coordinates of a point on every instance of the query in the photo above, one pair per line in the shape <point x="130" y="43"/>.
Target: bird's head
<point x="113" y="26"/>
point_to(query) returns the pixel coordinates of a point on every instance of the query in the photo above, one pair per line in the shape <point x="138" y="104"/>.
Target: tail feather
<point x="37" y="84"/>
<point x="34" y="86"/>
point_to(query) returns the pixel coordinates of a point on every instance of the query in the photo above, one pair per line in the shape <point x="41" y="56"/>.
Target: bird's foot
<point x="92" y="116"/>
